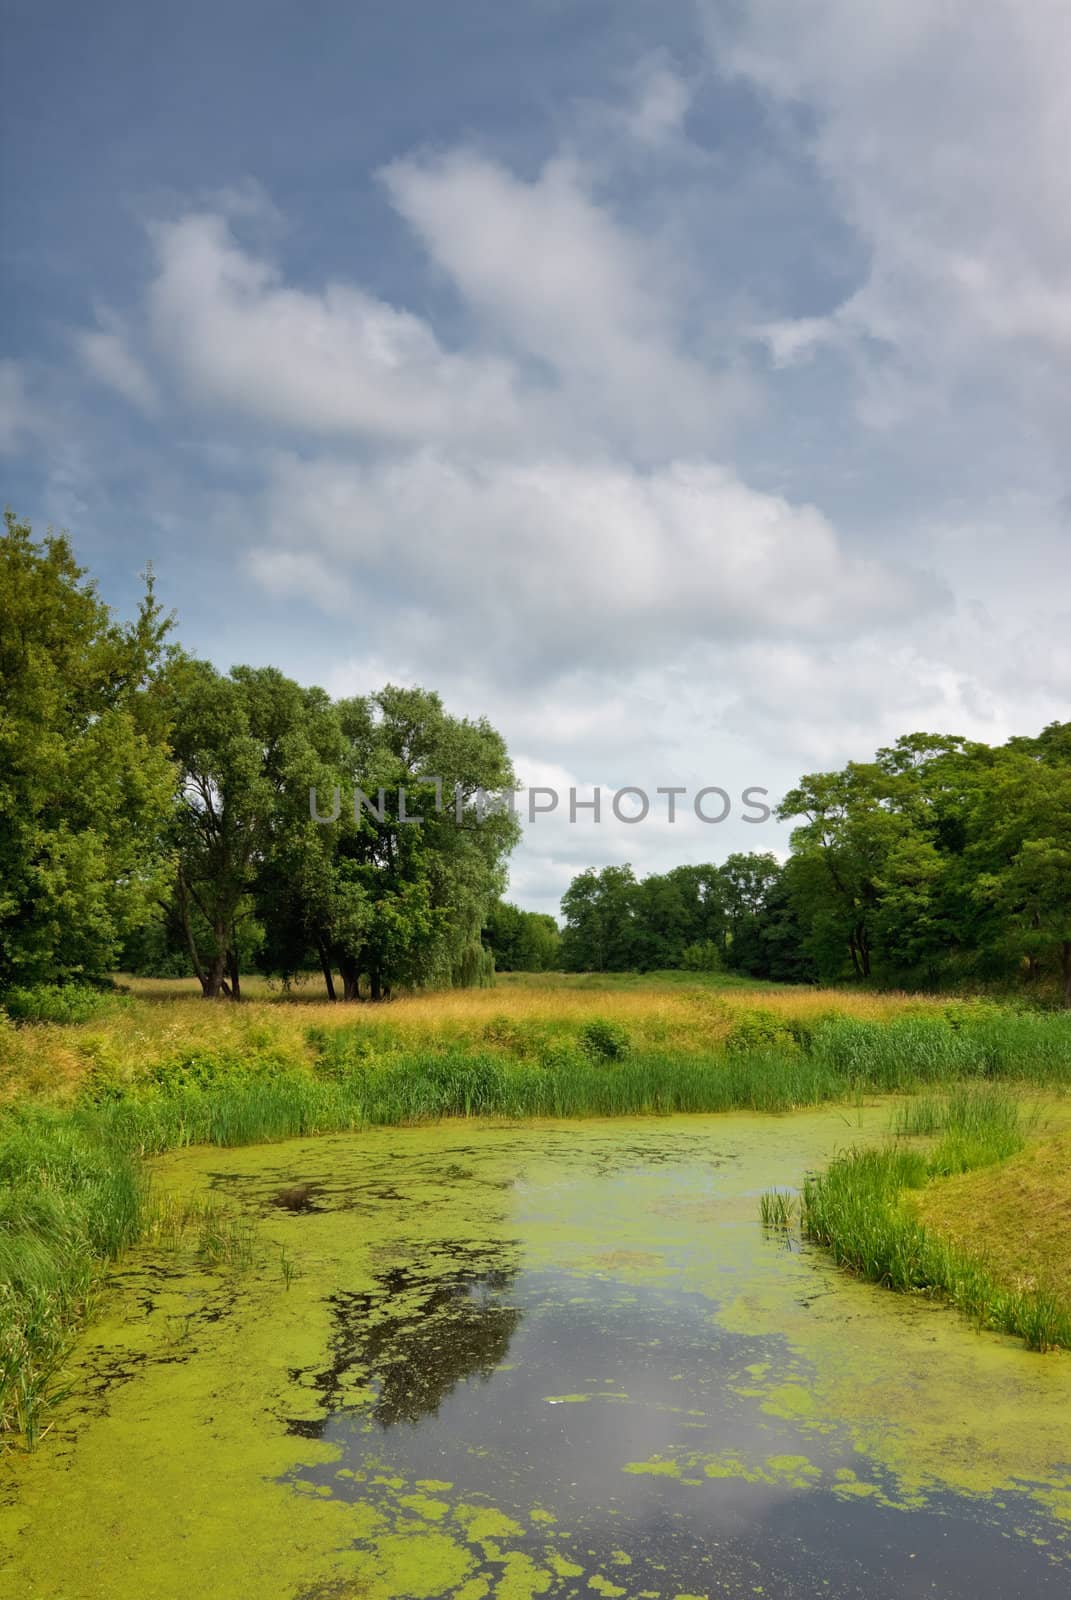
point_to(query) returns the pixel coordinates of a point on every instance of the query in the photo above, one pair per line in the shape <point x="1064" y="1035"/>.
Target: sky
<point x="684" y="387"/>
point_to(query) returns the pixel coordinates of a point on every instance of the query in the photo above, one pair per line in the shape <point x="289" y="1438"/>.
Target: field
<point x="114" y="1078"/>
<point x="156" y="1021"/>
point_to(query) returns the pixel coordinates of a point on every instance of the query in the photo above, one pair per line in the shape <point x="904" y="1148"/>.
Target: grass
<point x="68" y="1202"/>
<point x="864" y="1211"/>
<point x="1015" y="1218"/>
<point x="162" y="1020"/>
<point x="149" y="1072"/>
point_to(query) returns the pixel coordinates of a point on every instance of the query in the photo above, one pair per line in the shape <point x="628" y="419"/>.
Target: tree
<point x="398" y="901"/>
<point x="85" y="774"/>
<point x="1020" y="849"/>
<point x="248" y="744"/>
<point x="599" y="908"/>
<point x="521" y="941"/>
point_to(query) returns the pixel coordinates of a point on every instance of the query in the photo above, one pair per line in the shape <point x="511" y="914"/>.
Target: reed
<point x="856" y="1211"/>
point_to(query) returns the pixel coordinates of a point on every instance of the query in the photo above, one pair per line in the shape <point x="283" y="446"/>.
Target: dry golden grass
<point x="166" y="1017"/>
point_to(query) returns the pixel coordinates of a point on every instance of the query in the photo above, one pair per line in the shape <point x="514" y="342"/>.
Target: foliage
<point x="602" y="1040"/>
<point x="693" y="918"/>
<point x="58" y="1002"/>
<point x="521" y="941"/>
<point x="939" y="861"/>
<point x="85" y="773"/>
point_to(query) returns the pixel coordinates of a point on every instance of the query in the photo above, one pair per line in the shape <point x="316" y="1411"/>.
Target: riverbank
<point x="87" y="1101"/>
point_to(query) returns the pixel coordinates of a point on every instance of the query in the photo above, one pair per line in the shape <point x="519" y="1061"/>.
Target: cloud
<point x="557" y="279"/>
<point x="660" y="102"/>
<point x="335" y="362"/>
<point x="106" y="354"/>
<point x="599" y="560"/>
<point x="941" y="129"/>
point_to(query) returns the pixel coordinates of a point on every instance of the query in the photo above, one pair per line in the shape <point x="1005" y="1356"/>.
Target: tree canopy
<point x="86" y="773"/>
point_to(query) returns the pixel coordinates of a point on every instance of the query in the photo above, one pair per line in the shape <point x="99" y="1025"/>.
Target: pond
<point x="560" y="1359"/>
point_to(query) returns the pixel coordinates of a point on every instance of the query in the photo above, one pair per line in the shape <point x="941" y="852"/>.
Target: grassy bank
<point x="1014" y="1218"/>
<point x="88" y="1099"/>
<point x="867" y="1210"/>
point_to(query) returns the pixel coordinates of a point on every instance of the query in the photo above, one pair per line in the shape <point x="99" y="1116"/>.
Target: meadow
<point x="91" y="1083"/>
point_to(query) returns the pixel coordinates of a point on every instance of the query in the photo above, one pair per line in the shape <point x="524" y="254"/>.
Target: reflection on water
<point x="619" y="1442"/>
<point x="414" y="1338"/>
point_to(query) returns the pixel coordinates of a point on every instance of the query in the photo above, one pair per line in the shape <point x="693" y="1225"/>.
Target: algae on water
<point x="532" y="1360"/>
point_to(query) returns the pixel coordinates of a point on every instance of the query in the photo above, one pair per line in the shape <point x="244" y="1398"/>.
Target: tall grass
<point x="855" y="1210"/>
<point x="68" y="1201"/>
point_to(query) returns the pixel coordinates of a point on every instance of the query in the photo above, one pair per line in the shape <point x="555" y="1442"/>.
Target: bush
<point x="520" y="1038"/>
<point x="760" y="1031"/>
<point x="338" y="1052"/>
<point x="58" y="1002"/>
<point x="702" y="957"/>
<point x="601" y="1040"/>
<point x="205" y="1068"/>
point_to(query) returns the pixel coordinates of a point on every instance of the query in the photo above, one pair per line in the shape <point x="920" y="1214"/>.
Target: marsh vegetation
<point x="142" y="1074"/>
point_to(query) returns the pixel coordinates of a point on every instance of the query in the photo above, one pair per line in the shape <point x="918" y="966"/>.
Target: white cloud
<point x="558" y="279"/>
<point x="942" y="129"/>
<point x="661" y="98"/>
<point x="599" y="561"/>
<point x="106" y="354"/>
<point x="335" y="362"/>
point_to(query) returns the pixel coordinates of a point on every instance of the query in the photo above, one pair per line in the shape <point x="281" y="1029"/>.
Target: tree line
<point x="155" y="816"/>
<point x="944" y="861"/>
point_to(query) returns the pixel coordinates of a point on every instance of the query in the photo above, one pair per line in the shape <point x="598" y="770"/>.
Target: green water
<point x="559" y="1360"/>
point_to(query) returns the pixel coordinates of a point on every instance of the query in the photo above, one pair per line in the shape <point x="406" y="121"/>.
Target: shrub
<point x="560" y="1055"/>
<point x="759" y="1032"/>
<point x="520" y="1038"/>
<point x="58" y="1002"/>
<point x="338" y="1052"/>
<point x="702" y="957"/>
<point x="202" y="1068"/>
<point x="601" y="1040"/>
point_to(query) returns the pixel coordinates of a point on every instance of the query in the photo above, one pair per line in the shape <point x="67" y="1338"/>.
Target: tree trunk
<point x="213" y="982"/>
<point x="852" y="946"/>
<point x="187" y="928"/>
<point x="351" y="978"/>
<point x="232" y="974"/>
<point x="325" y="967"/>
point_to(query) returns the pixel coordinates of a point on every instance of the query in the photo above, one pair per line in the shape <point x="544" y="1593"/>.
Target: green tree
<point x="401" y="901"/>
<point x="521" y="941"/>
<point x="599" y="908"/>
<point x="1020" y="850"/>
<point x="85" y="775"/>
<point x="248" y="743"/>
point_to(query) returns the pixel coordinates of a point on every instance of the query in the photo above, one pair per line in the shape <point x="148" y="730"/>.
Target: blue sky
<point x="685" y="387"/>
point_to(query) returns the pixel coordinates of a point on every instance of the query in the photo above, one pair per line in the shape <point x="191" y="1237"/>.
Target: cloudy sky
<point x="686" y="387"/>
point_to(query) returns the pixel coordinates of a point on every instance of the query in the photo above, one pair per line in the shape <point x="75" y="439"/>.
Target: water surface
<point x="557" y="1360"/>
